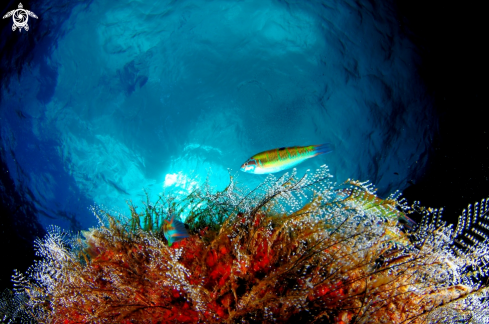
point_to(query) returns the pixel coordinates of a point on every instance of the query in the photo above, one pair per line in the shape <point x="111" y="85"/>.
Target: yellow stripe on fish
<point x="283" y="158"/>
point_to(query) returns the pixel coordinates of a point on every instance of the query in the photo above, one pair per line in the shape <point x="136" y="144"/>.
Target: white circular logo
<point x="20" y="17"/>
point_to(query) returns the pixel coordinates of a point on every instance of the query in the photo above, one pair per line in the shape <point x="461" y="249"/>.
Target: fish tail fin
<point x="322" y="149"/>
<point x="406" y="221"/>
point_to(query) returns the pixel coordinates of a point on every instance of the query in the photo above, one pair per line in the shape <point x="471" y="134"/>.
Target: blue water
<point x="105" y="99"/>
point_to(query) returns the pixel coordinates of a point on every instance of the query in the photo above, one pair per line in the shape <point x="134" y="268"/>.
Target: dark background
<point x="450" y="39"/>
<point x="451" y="43"/>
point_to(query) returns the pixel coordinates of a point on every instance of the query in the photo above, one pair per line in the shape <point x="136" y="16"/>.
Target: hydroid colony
<point x="292" y="250"/>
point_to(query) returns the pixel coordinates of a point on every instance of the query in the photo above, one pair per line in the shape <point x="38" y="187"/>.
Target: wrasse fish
<point x="385" y="208"/>
<point x="277" y="160"/>
<point x="174" y="231"/>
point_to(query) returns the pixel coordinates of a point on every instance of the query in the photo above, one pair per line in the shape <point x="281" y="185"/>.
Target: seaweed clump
<point x="291" y="250"/>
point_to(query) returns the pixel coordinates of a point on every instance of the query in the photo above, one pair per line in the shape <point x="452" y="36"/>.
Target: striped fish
<point x="277" y="160"/>
<point x="174" y="231"/>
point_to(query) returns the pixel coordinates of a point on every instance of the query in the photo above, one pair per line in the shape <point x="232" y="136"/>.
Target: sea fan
<point x="291" y="250"/>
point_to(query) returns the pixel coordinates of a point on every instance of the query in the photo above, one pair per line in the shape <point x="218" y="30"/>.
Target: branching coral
<point x="291" y="250"/>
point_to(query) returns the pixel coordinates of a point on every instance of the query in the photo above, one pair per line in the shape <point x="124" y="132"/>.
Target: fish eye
<point x="249" y="165"/>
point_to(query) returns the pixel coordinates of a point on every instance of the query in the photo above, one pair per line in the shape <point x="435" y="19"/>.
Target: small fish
<point x="385" y="208"/>
<point x="174" y="231"/>
<point x="277" y="160"/>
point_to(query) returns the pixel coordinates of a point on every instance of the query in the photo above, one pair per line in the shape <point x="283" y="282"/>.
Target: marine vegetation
<point x="293" y="250"/>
